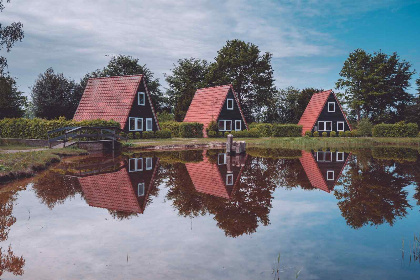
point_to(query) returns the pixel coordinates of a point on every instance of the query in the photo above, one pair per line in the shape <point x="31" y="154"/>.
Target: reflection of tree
<point x="121" y="215"/>
<point x="10" y="263"/>
<point x="372" y="193"/>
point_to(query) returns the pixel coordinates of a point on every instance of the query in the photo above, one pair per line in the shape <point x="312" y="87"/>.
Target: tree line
<point x="371" y="86"/>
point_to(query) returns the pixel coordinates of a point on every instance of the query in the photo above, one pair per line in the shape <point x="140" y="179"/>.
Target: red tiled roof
<point x="207" y="105"/>
<point x="110" y="98"/>
<point x="206" y="177"/>
<point x="111" y="191"/>
<point x="312" y="171"/>
<point x="314" y="108"/>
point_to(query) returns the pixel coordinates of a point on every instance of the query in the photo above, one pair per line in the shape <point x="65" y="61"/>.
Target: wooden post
<point x="229" y="144"/>
<point x="229" y="163"/>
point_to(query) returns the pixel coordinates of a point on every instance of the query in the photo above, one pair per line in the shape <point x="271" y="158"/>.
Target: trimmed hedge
<point x="252" y="133"/>
<point x="286" y="130"/>
<point x="37" y="128"/>
<point x="400" y="129"/>
<point x="183" y="129"/>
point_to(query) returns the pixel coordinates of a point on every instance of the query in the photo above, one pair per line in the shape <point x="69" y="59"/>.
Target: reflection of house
<point x="323" y="168"/>
<point x="125" y="190"/>
<point x="218" y="179"/>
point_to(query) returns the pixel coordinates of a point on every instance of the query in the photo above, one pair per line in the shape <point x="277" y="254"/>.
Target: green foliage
<point x="308" y="133"/>
<point x="212" y="127"/>
<point x="316" y="134"/>
<point x="341" y="134"/>
<point x="38" y="128"/>
<point x="183" y="129"/>
<point x="212" y="134"/>
<point x="394" y="153"/>
<point x="165" y="117"/>
<point x="148" y="135"/>
<point x="400" y="129"/>
<point x="354" y="133"/>
<point x="324" y="134"/>
<point x="186" y="78"/>
<point x="274" y="153"/>
<point x="163" y="134"/>
<point x="252" y="133"/>
<point x="137" y="135"/>
<point x="12" y="101"/>
<point x="264" y="129"/>
<point x="365" y="127"/>
<point x="347" y="133"/>
<point x="53" y="96"/>
<point x="333" y="134"/>
<point x="376" y="85"/>
<point x="286" y="130"/>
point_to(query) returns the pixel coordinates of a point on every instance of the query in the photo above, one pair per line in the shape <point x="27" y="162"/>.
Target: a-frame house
<point x="124" y="99"/>
<point x="324" y="114"/>
<point x="219" y="104"/>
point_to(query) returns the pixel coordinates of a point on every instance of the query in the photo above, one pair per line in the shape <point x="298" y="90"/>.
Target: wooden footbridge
<point x="90" y="138"/>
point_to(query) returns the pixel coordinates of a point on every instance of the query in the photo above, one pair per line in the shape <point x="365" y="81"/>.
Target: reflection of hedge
<point x="274" y="153"/>
<point x="175" y="156"/>
<point x="400" y="129"/>
<point x="38" y="128"/>
<point x="394" y="153"/>
<point x="184" y="129"/>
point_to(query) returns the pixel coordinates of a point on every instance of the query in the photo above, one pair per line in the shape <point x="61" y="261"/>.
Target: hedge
<point x="183" y="129"/>
<point x="286" y="130"/>
<point x="37" y="128"/>
<point x="252" y="133"/>
<point x="400" y="129"/>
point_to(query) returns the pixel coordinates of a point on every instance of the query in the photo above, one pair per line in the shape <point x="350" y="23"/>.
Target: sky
<point x="309" y="40"/>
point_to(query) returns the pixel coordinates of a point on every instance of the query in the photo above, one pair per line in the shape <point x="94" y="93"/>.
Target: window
<point x="330" y="175"/>
<point x="225" y="125"/>
<point x="324" y="126"/>
<point x="229" y="179"/>
<point x="340" y="156"/>
<point x="324" y="156"/>
<point x="140" y="189"/>
<point x="149" y="163"/>
<point x="135" y="124"/>
<point x="221" y="159"/>
<point x="229" y="102"/>
<point x="135" y="164"/>
<point x="238" y="125"/>
<point x="331" y="107"/>
<point x="340" y="126"/>
<point x="141" y="98"/>
<point x="328" y="156"/>
<point x="149" y="124"/>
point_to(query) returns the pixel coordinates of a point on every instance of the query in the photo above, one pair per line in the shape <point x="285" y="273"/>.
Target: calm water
<point x="272" y="214"/>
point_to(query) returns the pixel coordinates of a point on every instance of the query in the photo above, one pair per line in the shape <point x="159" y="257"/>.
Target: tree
<point x="375" y="85"/>
<point x="186" y="78"/>
<point x="8" y="36"/>
<point x="242" y="65"/>
<point x="293" y="102"/>
<point x="12" y="101"/>
<point x="413" y="111"/>
<point x="53" y="95"/>
<point x="127" y="65"/>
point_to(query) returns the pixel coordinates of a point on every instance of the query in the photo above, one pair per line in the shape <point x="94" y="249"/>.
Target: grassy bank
<point x="26" y="164"/>
<point x="304" y="143"/>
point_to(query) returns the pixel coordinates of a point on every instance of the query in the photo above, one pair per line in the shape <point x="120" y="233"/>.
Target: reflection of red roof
<point x="314" y="108"/>
<point x="206" y="178"/>
<point x="207" y="105"/>
<point x="110" y="190"/>
<point x="109" y="98"/>
<point x="312" y="171"/>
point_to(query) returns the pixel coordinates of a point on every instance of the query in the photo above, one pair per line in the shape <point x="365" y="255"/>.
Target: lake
<point x="269" y="214"/>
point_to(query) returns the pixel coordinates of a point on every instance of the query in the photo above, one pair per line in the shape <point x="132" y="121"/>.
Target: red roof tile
<point x="207" y="105"/>
<point x="314" y="108"/>
<point x="111" y="191"/>
<point x="109" y="98"/>
<point x="312" y="171"/>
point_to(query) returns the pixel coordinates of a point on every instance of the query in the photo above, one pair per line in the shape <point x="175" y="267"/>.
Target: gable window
<point x="149" y="163"/>
<point x="238" y="125"/>
<point x="229" y="102"/>
<point x="140" y="189"/>
<point x="221" y="159"/>
<point x="225" y="125"/>
<point x="135" y="124"/>
<point x="330" y="175"/>
<point x="135" y="164"/>
<point x="141" y="98"/>
<point x="149" y="124"/>
<point x="340" y="126"/>
<point x="324" y="126"/>
<point x="324" y="156"/>
<point x="229" y="179"/>
<point x="340" y="156"/>
<point x="331" y="107"/>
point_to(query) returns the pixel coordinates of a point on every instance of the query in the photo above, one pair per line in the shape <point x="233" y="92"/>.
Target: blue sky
<point x="309" y="40"/>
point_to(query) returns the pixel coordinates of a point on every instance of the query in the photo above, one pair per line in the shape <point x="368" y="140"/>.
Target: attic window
<point x="141" y="98"/>
<point x="330" y="175"/>
<point x="340" y="156"/>
<point x="229" y="179"/>
<point x="331" y="107"/>
<point x="140" y="189"/>
<point x="230" y="104"/>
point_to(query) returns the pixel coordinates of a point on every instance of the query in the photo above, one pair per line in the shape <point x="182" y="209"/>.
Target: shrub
<point x="308" y="133"/>
<point x="333" y="134"/>
<point x="347" y="133"/>
<point x="341" y="134"/>
<point x="137" y="135"/>
<point x="252" y="133"/>
<point x="287" y="130"/>
<point x="130" y="135"/>
<point x="264" y="129"/>
<point x="400" y="129"/>
<point x="354" y="133"/>
<point x="148" y="135"/>
<point x="316" y="134"/>
<point x="164" y="133"/>
<point x="212" y="127"/>
<point x="212" y="134"/>
<point x="165" y="117"/>
<point x="365" y="127"/>
<point x="183" y="129"/>
<point x="324" y="134"/>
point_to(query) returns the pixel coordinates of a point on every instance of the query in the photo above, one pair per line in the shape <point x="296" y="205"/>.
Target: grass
<point x="26" y="164"/>
<point x="16" y="147"/>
